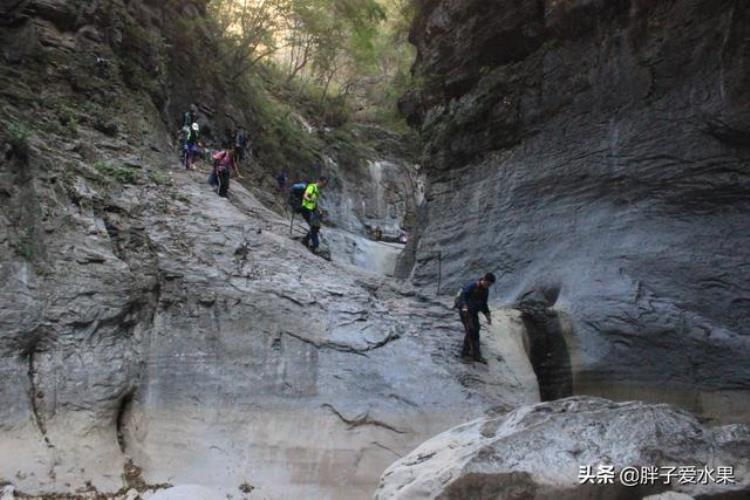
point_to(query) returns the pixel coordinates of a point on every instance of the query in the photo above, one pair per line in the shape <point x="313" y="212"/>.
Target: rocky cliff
<point x="596" y="153"/>
<point x="152" y="333"/>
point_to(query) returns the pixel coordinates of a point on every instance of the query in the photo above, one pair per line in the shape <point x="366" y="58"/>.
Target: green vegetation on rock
<point x="18" y="136"/>
<point x="119" y="174"/>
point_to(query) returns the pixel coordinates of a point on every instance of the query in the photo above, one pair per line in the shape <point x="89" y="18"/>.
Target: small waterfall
<point x="372" y="195"/>
<point x="376" y="174"/>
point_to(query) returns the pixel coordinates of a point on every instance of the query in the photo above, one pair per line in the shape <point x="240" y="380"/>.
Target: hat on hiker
<point x="195" y="127"/>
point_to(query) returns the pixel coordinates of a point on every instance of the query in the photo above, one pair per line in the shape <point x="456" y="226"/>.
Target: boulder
<point x="576" y="448"/>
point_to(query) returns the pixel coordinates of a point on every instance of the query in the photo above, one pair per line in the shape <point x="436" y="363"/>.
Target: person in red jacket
<point x="224" y="164"/>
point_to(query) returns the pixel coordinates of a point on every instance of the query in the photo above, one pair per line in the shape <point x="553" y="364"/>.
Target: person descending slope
<point x="281" y="181"/>
<point x="183" y="138"/>
<point x="310" y="212"/>
<point x="224" y="164"/>
<point x="191" y="145"/>
<point x="470" y="301"/>
<point x="190" y="116"/>
<point x="240" y="145"/>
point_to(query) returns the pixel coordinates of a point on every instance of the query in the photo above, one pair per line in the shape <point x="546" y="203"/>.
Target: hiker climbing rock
<point x="281" y="182"/>
<point x="102" y="66"/>
<point x="240" y="144"/>
<point x="190" y="116"/>
<point x="191" y="145"/>
<point x="182" y="137"/>
<point x="310" y="212"/>
<point x="470" y="301"/>
<point x="403" y="236"/>
<point x="224" y="163"/>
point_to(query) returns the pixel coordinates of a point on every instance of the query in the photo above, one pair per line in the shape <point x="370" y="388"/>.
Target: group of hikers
<point x="225" y="161"/>
<point x="303" y="199"/>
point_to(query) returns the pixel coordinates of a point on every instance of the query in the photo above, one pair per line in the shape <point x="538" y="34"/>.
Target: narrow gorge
<point x="159" y="341"/>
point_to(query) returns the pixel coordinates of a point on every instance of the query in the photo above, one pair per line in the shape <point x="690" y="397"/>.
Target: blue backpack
<point x="296" y="192"/>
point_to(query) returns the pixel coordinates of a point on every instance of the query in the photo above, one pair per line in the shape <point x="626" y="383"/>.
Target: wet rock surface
<point x="537" y="452"/>
<point x="371" y="202"/>
<point x="597" y="148"/>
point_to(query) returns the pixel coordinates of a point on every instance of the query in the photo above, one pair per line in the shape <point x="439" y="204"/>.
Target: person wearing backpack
<point x="310" y="212"/>
<point x="281" y="181"/>
<point x="183" y="137"/>
<point x="191" y="145"/>
<point x="240" y="144"/>
<point x="190" y="116"/>
<point x="470" y="301"/>
<point x="224" y="164"/>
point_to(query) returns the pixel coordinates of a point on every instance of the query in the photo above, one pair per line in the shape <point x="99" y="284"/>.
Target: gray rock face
<point x="598" y="150"/>
<point x="154" y="334"/>
<point x="538" y="452"/>
<point x="194" y="337"/>
<point x="185" y="492"/>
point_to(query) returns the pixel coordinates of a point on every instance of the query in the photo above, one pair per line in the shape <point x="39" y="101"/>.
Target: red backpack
<point x="222" y="161"/>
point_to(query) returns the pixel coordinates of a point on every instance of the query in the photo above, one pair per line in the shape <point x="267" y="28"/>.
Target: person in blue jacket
<point x="470" y="301"/>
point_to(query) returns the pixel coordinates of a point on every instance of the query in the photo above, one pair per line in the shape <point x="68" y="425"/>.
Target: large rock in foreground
<point x="539" y="451"/>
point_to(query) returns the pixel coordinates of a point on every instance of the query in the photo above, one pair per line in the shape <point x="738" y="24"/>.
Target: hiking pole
<point x="291" y="225"/>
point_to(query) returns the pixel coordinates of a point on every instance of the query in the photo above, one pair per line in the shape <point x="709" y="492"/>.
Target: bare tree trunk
<point x="303" y="61"/>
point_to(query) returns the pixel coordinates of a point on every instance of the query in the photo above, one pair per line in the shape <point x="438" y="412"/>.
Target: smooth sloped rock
<point x="598" y="149"/>
<point x="207" y="350"/>
<point x="152" y="332"/>
<point x="536" y="452"/>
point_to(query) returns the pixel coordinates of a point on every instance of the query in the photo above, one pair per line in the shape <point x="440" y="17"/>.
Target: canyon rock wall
<point x="152" y="333"/>
<point x="598" y="152"/>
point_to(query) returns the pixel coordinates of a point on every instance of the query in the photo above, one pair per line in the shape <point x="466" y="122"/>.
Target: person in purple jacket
<point x="470" y="301"/>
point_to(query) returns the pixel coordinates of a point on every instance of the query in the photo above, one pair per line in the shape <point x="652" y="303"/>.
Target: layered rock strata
<point x="599" y="150"/>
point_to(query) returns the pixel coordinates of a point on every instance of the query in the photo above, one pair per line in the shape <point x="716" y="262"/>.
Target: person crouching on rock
<point x="224" y="164"/>
<point x="310" y="212"/>
<point x="470" y="301"/>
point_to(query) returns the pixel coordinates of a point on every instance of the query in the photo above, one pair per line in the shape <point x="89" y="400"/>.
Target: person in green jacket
<point x="310" y="212"/>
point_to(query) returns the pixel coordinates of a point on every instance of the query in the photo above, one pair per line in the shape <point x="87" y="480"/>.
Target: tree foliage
<point x="351" y="49"/>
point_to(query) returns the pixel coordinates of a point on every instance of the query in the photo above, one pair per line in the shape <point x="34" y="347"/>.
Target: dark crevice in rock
<point x="729" y="134"/>
<point x="545" y="344"/>
<point x="362" y="420"/>
<point x="408" y="258"/>
<point x="124" y="411"/>
<point x="35" y="395"/>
